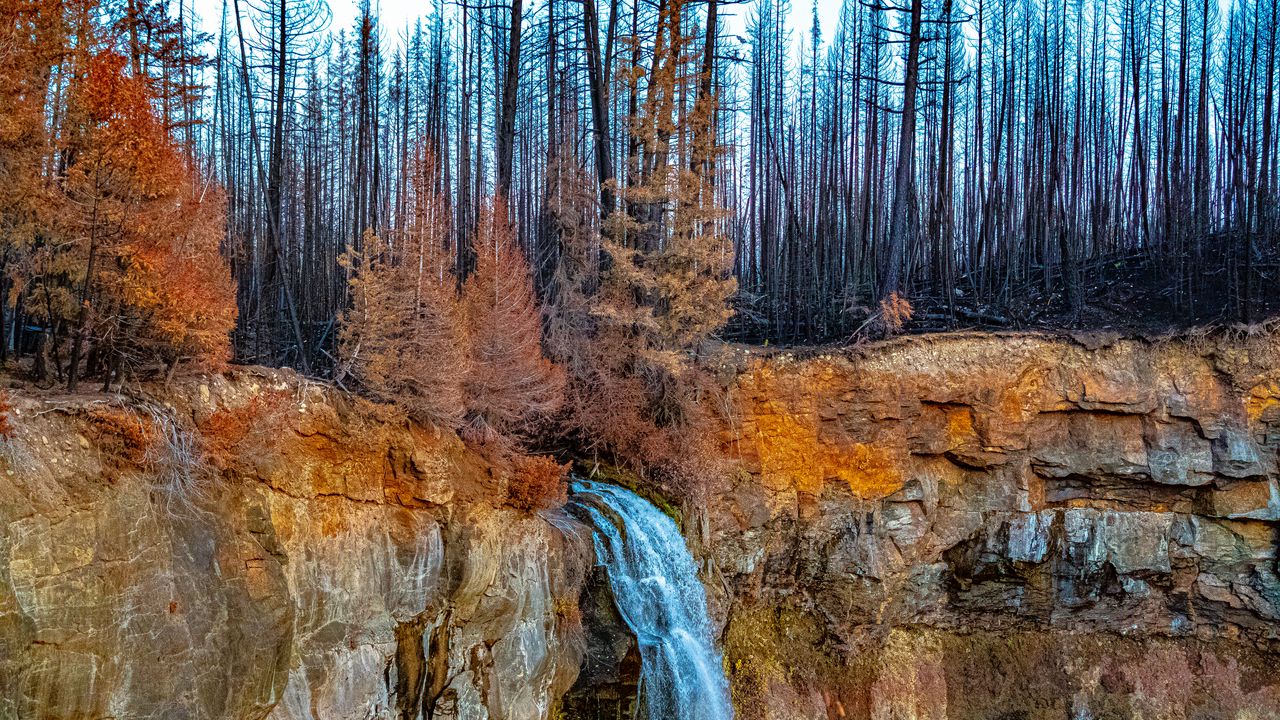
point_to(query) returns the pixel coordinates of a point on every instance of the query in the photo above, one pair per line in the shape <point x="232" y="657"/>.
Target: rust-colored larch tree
<point x="510" y="384"/>
<point x="672" y="259"/>
<point x="403" y="338"/>
<point x="666" y="281"/>
<point x="143" y="231"/>
<point x="176" y="290"/>
<point x="30" y="44"/>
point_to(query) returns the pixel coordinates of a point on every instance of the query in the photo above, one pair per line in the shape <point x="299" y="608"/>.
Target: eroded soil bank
<point x="946" y="527"/>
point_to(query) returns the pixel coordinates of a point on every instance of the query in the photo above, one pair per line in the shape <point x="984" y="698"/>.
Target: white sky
<point x="395" y="15"/>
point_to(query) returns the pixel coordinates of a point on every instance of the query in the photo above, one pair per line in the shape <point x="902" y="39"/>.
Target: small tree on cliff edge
<point x="672" y="259"/>
<point x="664" y="286"/>
<point x="511" y="384"/>
<point x="403" y="336"/>
<point x="472" y="362"/>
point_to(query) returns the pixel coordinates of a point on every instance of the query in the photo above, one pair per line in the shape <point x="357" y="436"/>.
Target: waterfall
<point x="656" y="588"/>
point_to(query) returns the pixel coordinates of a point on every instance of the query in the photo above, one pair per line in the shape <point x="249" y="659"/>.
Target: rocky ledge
<point x="1004" y="527"/>
<point x="965" y="527"/>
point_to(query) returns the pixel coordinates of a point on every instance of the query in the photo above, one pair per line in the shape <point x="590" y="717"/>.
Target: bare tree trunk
<point x="705" y="103"/>
<point x="507" y="113"/>
<point x="275" y="176"/>
<point x="598" y="78"/>
<point x="902" y="220"/>
<point x="82" y="314"/>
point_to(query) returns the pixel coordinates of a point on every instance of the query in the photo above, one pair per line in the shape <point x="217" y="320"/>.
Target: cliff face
<point x="323" y="564"/>
<point x="949" y="528"/>
<point x="1012" y="527"/>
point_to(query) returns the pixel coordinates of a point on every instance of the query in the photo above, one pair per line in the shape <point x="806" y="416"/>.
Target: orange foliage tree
<point x="28" y="47"/>
<point x="143" y="232"/>
<point x="672" y="258"/>
<point x="627" y="332"/>
<point x="403" y="337"/>
<point x="472" y="360"/>
<point x="511" y="384"/>
<point x="537" y="482"/>
<point x="639" y="291"/>
<point x="31" y="40"/>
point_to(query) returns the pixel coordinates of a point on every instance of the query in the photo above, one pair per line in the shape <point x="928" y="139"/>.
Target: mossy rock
<point x="624" y="478"/>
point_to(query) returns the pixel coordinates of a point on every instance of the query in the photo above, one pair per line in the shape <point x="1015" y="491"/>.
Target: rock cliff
<point x="1004" y="527"/>
<point x="308" y="561"/>
<point x="952" y="528"/>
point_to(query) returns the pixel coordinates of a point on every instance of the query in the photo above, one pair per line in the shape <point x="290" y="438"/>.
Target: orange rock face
<point x="788" y="437"/>
<point x="1018" y="485"/>
<point x="317" y="556"/>
<point x="966" y="527"/>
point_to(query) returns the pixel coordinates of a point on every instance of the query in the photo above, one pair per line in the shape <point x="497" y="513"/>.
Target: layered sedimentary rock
<point x="952" y="528"/>
<point x="308" y="562"/>
<point x="1005" y="527"/>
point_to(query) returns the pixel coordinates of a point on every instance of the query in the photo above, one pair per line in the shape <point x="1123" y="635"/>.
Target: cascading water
<point x="656" y="588"/>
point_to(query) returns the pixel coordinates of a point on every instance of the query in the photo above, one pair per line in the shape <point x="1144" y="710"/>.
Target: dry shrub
<point x="895" y="313"/>
<point x="6" y="421"/>
<point x="177" y="458"/>
<point x="124" y="432"/>
<point x="537" y="482"/>
<point x="154" y="439"/>
<point x="655" y="414"/>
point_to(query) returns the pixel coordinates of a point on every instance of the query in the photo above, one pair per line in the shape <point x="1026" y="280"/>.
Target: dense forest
<point x="503" y="212"/>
